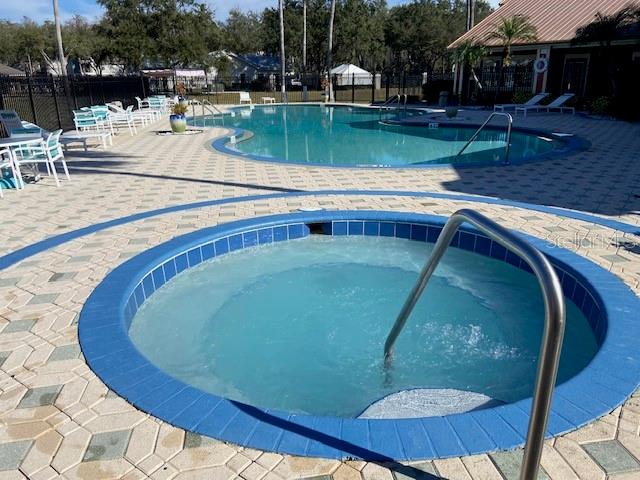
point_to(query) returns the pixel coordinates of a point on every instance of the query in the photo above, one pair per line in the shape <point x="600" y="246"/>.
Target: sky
<point x="42" y="9"/>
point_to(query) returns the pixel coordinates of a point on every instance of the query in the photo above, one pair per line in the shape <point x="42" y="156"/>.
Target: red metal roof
<point x="555" y="20"/>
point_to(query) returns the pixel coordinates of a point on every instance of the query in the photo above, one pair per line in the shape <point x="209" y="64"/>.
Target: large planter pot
<point x="178" y="123"/>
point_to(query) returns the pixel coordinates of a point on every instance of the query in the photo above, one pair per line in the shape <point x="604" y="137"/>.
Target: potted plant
<point x="181" y="90"/>
<point x="178" y="120"/>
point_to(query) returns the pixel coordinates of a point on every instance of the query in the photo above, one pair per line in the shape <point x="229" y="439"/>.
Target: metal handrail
<point x="210" y="107"/>
<point x="475" y="135"/>
<point x="554" y="323"/>
<point x="397" y="98"/>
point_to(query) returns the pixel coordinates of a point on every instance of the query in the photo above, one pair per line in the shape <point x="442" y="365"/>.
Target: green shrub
<point x="601" y="105"/>
<point x="521" y="97"/>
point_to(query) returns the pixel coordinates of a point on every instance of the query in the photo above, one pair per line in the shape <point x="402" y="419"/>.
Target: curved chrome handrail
<point x="477" y="132"/>
<point x="554" y="324"/>
<point x="210" y="107"/>
<point x="397" y="98"/>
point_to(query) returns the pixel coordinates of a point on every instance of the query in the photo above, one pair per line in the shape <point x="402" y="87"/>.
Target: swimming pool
<point x="353" y="136"/>
<point x="108" y="334"/>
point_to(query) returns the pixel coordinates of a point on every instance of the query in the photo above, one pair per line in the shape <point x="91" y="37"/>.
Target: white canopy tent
<point x="350" y="74"/>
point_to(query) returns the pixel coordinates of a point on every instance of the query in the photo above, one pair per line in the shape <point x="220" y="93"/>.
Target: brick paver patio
<point x="58" y="420"/>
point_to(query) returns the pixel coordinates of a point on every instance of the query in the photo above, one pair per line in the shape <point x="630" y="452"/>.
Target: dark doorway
<point x="574" y="76"/>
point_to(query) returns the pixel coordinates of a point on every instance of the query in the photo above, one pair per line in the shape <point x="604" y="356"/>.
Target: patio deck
<point x="58" y="420"/>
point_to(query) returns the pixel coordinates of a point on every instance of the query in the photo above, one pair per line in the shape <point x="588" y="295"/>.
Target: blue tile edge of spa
<point x="609" y="379"/>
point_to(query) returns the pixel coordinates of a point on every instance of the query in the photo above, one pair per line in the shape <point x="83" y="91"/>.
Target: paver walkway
<point x="57" y="420"/>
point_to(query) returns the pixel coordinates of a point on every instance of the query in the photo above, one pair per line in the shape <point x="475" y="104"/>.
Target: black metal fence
<point x="501" y="83"/>
<point x="49" y="101"/>
<point x="358" y="88"/>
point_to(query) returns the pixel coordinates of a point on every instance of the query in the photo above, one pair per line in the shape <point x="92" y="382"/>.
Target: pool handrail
<point x="397" y="98"/>
<point x="209" y="107"/>
<point x="477" y="132"/>
<point x="554" y="324"/>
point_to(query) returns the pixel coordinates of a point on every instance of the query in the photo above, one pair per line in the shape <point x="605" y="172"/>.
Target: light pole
<point x="283" y="67"/>
<point x="332" y="15"/>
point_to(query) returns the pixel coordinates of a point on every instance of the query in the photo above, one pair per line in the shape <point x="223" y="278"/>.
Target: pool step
<point x="427" y="402"/>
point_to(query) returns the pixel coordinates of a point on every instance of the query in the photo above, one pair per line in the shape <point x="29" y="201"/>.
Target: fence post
<point x="404" y="82"/>
<point x="142" y="83"/>
<point x="104" y="99"/>
<point x="89" y="84"/>
<point x="386" y="86"/>
<point x="31" y="102"/>
<point x="55" y="101"/>
<point x="3" y="81"/>
<point x="73" y="93"/>
<point x="373" y="86"/>
<point x="353" y="88"/>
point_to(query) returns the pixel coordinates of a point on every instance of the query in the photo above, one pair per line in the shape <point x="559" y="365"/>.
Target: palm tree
<point x="513" y="30"/>
<point x="469" y="53"/>
<point x="61" y="57"/>
<point x="604" y="30"/>
<point x="283" y="68"/>
<point x="332" y="15"/>
<point x="304" y="36"/>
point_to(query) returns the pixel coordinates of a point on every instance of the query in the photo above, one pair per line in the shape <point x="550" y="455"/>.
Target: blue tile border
<point x="563" y="146"/>
<point x="612" y="375"/>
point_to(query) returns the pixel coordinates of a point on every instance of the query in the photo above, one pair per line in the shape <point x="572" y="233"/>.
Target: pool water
<point x="347" y="136"/>
<point x="300" y="326"/>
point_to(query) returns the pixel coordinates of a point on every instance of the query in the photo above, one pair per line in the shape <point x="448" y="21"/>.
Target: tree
<point x="332" y="16"/>
<point x="603" y="31"/>
<point x="61" y="58"/>
<point x="242" y="32"/>
<point x="167" y="33"/>
<point x="125" y="27"/>
<point x="469" y="53"/>
<point x="84" y="42"/>
<point x="360" y="33"/>
<point x="512" y="30"/>
<point x="419" y="32"/>
<point x="304" y="36"/>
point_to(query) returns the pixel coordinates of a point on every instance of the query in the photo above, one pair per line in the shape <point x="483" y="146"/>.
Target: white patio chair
<point x="142" y="117"/>
<point x="6" y="162"/>
<point x="557" y="104"/>
<point x="124" y="119"/>
<point x="159" y="104"/>
<point x="48" y="152"/>
<point x="245" y="98"/>
<point x="535" y="100"/>
<point x="145" y="107"/>
<point x="86" y="121"/>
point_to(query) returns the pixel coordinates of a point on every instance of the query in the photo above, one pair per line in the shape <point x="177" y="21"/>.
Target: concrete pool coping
<point x="605" y="383"/>
<point x="566" y="143"/>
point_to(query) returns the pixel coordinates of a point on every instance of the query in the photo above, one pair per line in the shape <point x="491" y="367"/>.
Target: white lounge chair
<point x="14" y="127"/>
<point x="557" y="104"/>
<point x="535" y="100"/>
<point x="245" y="98"/>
